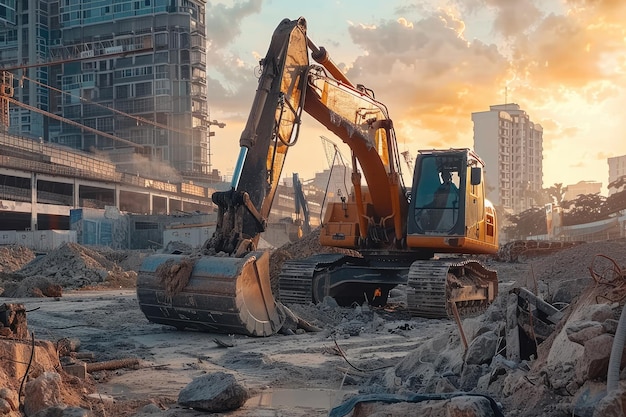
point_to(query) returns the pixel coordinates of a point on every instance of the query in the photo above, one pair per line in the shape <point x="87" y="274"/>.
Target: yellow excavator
<point x="403" y="236"/>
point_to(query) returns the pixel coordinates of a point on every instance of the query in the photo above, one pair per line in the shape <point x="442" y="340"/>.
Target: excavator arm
<point x="363" y="123"/>
<point x="271" y="129"/>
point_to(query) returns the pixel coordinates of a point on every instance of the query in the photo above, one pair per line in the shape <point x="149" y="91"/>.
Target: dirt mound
<point x="71" y="266"/>
<point x="563" y="275"/>
<point x="14" y="257"/>
<point x="575" y="262"/>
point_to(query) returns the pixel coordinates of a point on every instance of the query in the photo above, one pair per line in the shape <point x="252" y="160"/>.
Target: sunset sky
<point x="433" y="63"/>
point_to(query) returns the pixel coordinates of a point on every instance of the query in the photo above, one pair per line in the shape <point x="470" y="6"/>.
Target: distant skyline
<point x="433" y="63"/>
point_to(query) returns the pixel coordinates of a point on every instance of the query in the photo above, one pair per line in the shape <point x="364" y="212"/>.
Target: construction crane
<point x="408" y="159"/>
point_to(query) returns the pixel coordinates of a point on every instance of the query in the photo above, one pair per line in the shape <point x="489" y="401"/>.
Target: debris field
<point x="74" y="343"/>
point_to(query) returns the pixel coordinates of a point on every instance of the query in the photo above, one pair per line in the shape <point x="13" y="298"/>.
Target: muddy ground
<point x="298" y="375"/>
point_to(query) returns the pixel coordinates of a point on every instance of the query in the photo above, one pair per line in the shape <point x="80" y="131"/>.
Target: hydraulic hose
<point x="612" y="380"/>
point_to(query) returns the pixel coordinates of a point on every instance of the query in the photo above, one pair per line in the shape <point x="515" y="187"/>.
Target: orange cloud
<point x="582" y="49"/>
<point x="430" y="76"/>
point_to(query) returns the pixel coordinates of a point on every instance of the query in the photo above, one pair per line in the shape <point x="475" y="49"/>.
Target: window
<point x="143" y="89"/>
<point x="162" y="72"/>
<point x="146" y="226"/>
<point x="105" y="124"/>
<point x="160" y="39"/>
<point x="122" y="91"/>
<point x="161" y="87"/>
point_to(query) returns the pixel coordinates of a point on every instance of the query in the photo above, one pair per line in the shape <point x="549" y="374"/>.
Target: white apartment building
<point x="581" y="188"/>
<point x="512" y="147"/>
<point x="617" y="169"/>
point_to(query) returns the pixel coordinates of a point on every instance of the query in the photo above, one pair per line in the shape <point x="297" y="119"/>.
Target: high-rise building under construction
<point x="78" y="59"/>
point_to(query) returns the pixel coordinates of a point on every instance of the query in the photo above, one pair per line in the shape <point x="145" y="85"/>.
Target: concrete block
<point x="77" y="369"/>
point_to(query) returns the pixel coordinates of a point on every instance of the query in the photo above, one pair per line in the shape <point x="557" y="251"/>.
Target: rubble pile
<point x="563" y="275"/>
<point x="46" y="387"/>
<point x="71" y="266"/>
<point x="542" y="348"/>
<point x="534" y="357"/>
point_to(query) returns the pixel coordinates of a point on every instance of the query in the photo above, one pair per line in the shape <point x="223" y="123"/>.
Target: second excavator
<point x="403" y="236"/>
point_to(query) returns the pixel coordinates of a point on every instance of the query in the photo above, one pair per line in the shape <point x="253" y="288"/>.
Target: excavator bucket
<point x="218" y="294"/>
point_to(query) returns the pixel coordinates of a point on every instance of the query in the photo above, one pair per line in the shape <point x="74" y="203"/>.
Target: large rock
<point x="42" y="392"/>
<point x="482" y="349"/>
<point x="11" y="398"/>
<point x="598" y="312"/>
<point x="470" y="407"/>
<point x="442" y="353"/>
<point x="470" y="376"/>
<point x="582" y="331"/>
<point x="595" y="360"/>
<point x="5" y="407"/>
<point x="20" y="353"/>
<point x="567" y="292"/>
<point x="217" y="392"/>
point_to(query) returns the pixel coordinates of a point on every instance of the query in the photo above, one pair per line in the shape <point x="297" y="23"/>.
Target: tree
<point x="585" y="208"/>
<point x="615" y="202"/>
<point x="556" y="193"/>
<point x="527" y="223"/>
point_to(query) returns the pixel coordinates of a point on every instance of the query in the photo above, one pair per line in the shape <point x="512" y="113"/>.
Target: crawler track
<point x="296" y="277"/>
<point x="347" y="279"/>
<point x="433" y="285"/>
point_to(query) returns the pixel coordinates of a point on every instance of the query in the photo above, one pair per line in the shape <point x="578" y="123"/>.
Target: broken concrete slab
<point x="216" y="392"/>
<point x="457" y="404"/>
<point x="549" y="312"/>
<point x="582" y="331"/>
<point x="482" y="349"/>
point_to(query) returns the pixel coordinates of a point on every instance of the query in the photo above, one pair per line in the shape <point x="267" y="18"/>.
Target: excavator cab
<point x="448" y="212"/>
<point x="438" y="199"/>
